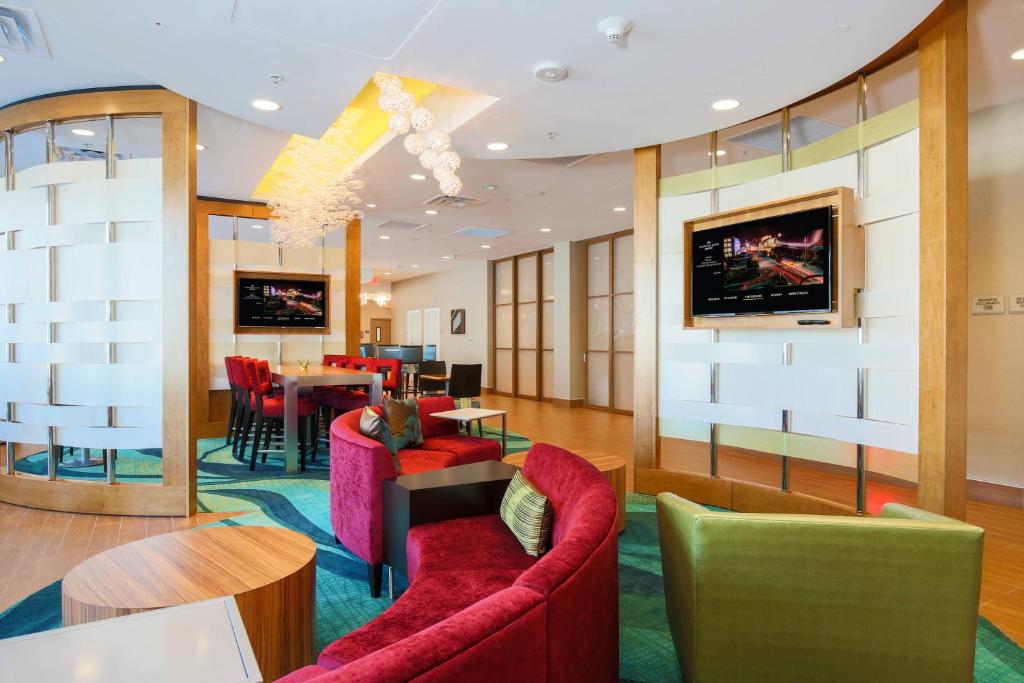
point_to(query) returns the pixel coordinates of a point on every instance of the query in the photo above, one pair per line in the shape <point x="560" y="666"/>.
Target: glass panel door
<point x="609" y="323"/>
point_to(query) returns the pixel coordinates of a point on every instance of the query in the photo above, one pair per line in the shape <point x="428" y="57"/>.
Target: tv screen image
<point x="780" y="264"/>
<point x="281" y="302"/>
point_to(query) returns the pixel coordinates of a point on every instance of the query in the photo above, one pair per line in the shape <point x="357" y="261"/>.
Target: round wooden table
<point x="271" y="572"/>
<point x="611" y="466"/>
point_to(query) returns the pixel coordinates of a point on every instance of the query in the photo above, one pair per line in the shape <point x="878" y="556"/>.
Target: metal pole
<point x="714" y="399"/>
<point x="787" y="354"/>
<point x="9" y="183"/>
<point x="713" y="166"/>
<point x="787" y="142"/>
<point x="110" y="454"/>
<point x="52" y="451"/>
<point x="861" y="403"/>
<point x="862" y="116"/>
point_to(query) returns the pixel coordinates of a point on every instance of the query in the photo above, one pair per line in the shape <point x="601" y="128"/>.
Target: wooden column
<point x="942" y="423"/>
<point x="353" y="266"/>
<point x="646" y="173"/>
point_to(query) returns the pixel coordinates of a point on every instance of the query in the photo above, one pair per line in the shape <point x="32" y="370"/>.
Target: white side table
<point x="201" y="642"/>
<point x="470" y="415"/>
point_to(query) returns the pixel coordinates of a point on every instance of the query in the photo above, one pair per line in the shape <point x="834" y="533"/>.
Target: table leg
<point x="504" y="435"/>
<point x="377" y="390"/>
<point x="291" y="426"/>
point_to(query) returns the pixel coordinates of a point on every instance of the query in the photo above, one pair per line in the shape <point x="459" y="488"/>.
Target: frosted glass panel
<point x="527" y="373"/>
<point x="622" y="317"/>
<point x="503" y="326"/>
<point x="597" y="379"/>
<point x="623" y="277"/>
<point x="29" y="149"/>
<point x="527" y="326"/>
<point x="548" y="325"/>
<point x="622" y="366"/>
<point x="597" y="324"/>
<point x="547" y="276"/>
<point x="221" y="228"/>
<point x="138" y="137"/>
<point x="503" y="371"/>
<point x="597" y="268"/>
<point x="528" y="278"/>
<point x="548" y="373"/>
<point x="503" y="282"/>
<point x="76" y="146"/>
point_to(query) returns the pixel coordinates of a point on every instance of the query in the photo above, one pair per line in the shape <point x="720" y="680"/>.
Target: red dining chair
<point x="233" y="388"/>
<point x="265" y="410"/>
<point x="391" y="368"/>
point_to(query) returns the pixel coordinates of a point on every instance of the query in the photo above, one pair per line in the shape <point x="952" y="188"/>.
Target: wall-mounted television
<point x="282" y="303"/>
<point x="777" y="264"/>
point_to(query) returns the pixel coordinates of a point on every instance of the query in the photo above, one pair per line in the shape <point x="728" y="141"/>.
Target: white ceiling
<point x="655" y="87"/>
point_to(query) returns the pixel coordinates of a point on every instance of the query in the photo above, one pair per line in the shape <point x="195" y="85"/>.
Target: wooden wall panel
<point x="942" y="440"/>
<point x="646" y="174"/>
<point x="353" y="268"/>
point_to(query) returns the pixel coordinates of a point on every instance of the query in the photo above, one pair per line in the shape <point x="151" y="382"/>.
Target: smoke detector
<point x="551" y="72"/>
<point x="615" y="28"/>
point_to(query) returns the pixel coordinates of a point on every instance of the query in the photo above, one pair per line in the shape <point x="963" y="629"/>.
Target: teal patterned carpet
<point x="268" y="497"/>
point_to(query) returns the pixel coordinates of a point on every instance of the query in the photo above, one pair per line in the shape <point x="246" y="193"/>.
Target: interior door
<point x="380" y="330"/>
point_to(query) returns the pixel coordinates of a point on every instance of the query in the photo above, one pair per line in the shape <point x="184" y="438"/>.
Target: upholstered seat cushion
<point x="273" y="406"/>
<point x="459" y="563"/>
<point x="344" y="400"/>
<point x="467" y="449"/>
<point x="422" y="460"/>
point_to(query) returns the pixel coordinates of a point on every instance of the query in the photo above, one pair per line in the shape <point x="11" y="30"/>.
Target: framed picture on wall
<point x="458" y="321"/>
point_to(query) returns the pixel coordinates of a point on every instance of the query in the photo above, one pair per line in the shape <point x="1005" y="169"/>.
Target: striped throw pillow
<point x="527" y="513"/>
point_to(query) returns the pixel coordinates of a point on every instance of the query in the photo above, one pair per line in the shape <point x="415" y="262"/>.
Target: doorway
<point x="380" y="330"/>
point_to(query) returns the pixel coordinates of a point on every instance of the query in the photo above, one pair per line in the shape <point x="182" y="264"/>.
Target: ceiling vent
<point x="484" y="233"/>
<point x="566" y="162"/>
<point x="454" y="202"/>
<point x="803" y="130"/>
<point x="401" y="225"/>
<point x="20" y="31"/>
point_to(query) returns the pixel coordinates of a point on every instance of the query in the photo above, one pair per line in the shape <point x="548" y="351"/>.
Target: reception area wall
<point x="96" y="211"/>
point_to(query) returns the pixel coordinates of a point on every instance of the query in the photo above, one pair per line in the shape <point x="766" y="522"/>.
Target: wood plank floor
<point x="39" y="547"/>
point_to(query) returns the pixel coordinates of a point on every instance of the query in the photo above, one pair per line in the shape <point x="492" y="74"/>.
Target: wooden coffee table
<point x="611" y="466"/>
<point x="271" y="572"/>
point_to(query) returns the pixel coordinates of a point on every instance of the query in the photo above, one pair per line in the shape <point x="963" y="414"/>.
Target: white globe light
<point x="399" y="123"/>
<point x="438" y="140"/>
<point x="406" y="101"/>
<point x="451" y="186"/>
<point x="428" y="158"/>
<point x="387" y="82"/>
<point x="449" y="160"/>
<point x="390" y="102"/>
<point x="356" y="184"/>
<point x="414" y="143"/>
<point x="421" y="119"/>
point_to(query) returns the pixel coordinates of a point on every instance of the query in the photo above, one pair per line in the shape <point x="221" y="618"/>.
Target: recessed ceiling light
<point x="257" y="226"/>
<point x="414" y="266"/>
<point x="1018" y="56"/>
<point x="489" y="187"/>
<point x="839" y="28"/>
<point x="2" y="59"/>
<point x="497" y="146"/>
<point x="385" y="237"/>
<point x="371" y="206"/>
<point x="265" y="105"/>
<point x="418" y="176"/>
<point x="619" y="208"/>
<point x="83" y="131"/>
<point x="718" y="153"/>
<point x="387" y="272"/>
<point x="485" y="246"/>
<point x="446" y="257"/>
<point x="725" y="105"/>
<point x="545" y="229"/>
<point x="199" y="147"/>
<point x="430" y="212"/>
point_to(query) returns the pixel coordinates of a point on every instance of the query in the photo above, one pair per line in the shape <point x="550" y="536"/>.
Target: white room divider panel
<point x="812" y="373"/>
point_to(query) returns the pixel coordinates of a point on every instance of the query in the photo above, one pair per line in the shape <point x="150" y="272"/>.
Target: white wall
<point x="819" y="388"/>
<point x="465" y="286"/>
<point x="995" y="366"/>
<point x="368" y="312"/>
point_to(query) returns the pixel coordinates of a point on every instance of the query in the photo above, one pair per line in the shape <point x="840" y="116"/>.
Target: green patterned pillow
<point x="403" y="419"/>
<point x="527" y="513"/>
<point x="373" y="426"/>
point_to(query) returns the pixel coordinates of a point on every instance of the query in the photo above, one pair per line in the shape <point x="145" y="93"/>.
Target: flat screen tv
<point x="780" y="264"/>
<point x="282" y="303"/>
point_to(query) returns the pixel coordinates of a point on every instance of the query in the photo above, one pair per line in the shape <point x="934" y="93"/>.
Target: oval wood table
<point x="611" y="466"/>
<point x="271" y="572"/>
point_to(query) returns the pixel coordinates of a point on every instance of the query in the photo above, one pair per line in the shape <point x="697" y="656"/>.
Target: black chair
<point x="411" y="355"/>
<point x="433" y="387"/>
<point x="464" y="381"/>
<point x="430" y="352"/>
<point x="389" y="351"/>
<point x="368" y="350"/>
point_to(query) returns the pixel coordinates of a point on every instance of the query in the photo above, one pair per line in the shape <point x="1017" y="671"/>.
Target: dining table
<point x="293" y="377"/>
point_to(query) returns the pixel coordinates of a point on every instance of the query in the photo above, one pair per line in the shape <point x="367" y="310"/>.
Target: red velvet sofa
<point x="359" y="466"/>
<point x="478" y="608"/>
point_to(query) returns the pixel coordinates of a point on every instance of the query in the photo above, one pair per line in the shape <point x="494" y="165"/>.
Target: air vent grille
<point x="20" y="31"/>
<point x="485" y="233"/>
<point x="401" y="225"/>
<point x="454" y="202"/>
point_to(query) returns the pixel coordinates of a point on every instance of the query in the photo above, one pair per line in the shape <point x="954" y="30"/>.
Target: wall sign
<point x="988" y="305"/>
<point x="1016" y="303"/>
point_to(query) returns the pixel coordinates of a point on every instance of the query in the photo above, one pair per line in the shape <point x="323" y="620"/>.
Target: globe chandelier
<point x="318" y="192"/>
<point x="422" y="136"/>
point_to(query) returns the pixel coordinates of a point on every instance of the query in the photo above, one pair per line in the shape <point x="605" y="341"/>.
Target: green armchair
<point x="760" y="597"/>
